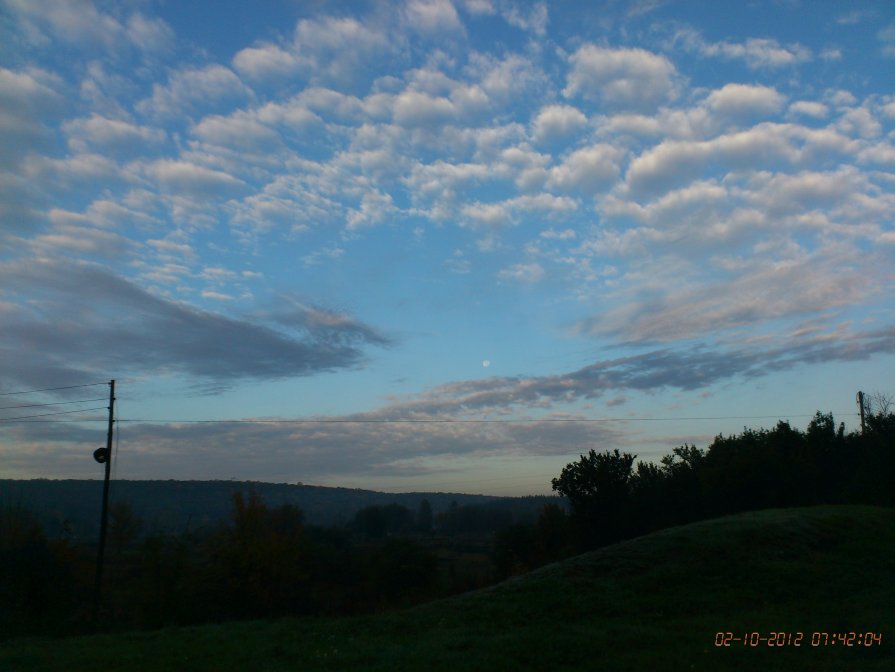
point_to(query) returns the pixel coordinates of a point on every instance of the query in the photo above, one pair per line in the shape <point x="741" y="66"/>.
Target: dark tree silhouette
<point x="598" y="487"/>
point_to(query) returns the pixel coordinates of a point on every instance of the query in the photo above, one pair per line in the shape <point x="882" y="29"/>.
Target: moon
<point x="486" y="363"/>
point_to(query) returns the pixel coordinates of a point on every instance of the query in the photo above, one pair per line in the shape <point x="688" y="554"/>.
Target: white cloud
<point x="334" y="105"/>
<point x="523" y="273"/>
<point x="216" y="296"/>
<point x="71" y="22"/>
<point x="241" y="131"/>
<point x="79" y="169"/>
<point x="27" y="92"/>
<point x="337" y="50"/>
<point x="809" y="108"/>
<point x="27" y="98"/>
<point x="509" y="79"/>
<point x="535" y="20"/>
<point x="555" y="122"/>
<point x="758" y="53"/>
<point x="673" y="162"/>
<point x="213" y="86"/>
<point x="70" y="239"/>
<point x="766" y="290"/>
<point x="886" y="37"/>
<point x="265" y="62"/>
<point x="542" y="203"/>
<point x="745" y="100"/>
<point x="623" y="78"/>
<point x="292" y="115"/>
<point x="149" y="35"/>
<point x="485" y="7"/>
<point x="112" y="134"/>
<point x="492" y="215"/>
<point x="80" y="23"/>
<point x="433" y="16"/>
<point x="552" y="234"/>
<point x="375" y="206"/>
<point x="859" y="121"/>
<point x="589" y="170"/>
<point x="171" y="248"/>
<point x="413" y="109"/>
<point x="806" y="191"/>
<point x="183" y="177"/>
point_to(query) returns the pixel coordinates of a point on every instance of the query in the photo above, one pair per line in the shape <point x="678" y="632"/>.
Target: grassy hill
<point x="652" y="603"/>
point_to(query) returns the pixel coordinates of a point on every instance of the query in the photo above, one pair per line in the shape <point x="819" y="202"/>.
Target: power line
<point x="51" y="389"/>
<point x="312" y="421"/>
<point x="52" y="403"/>
<point x="41" y="415"/>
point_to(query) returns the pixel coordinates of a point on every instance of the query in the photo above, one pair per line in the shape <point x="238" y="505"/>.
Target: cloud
<point x="620" y="78"/>
<point x="192" y="89"/>
<point x="509" y="79"/>
<point x="431" y="16"/>
<point x="149" y="35"/>
<point x="335" y="50"/>
<point x="556" y="122"/>
<point x="589" y="170"/>
<point x="491" y="215"/>
<point x="766" y="290"/>
<point x="758" y="53"/>
<point x="523" y="273"/>
<point x="80" y="23"/>
<point x="72" y="239"/>
<point x="266" y="62"/>
<point x="112" y="134"/>
<point x="536" y="20"/>
<point x="413" y="110"/>
<point x="684" y="368"/>
<point x="84" y="322"/>
<point x="745" y="100"/>
<point x="71" y="22"/>
<point x="765" y="145"/>
<point x="241" y="131"/>
<point x="886" y="37"/>
<point x="183" y="177"/>
<point x="809" y="108"/>
<point x="319" y="449"/>
<point x="27" y="99"/>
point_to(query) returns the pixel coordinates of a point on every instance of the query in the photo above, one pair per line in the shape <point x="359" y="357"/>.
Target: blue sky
<point x="435" y="245"/>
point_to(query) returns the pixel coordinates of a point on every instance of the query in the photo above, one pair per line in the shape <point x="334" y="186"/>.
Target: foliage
<point x="653" y="603"/>
<point x="783" y="466"/>
<point x="598" y="487"/>
<point x="38" y="580"/>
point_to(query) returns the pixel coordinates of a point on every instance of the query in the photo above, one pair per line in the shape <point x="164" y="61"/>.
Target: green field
<point x="652" y="603"/>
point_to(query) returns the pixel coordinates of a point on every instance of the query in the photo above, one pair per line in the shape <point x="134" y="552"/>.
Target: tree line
<point x="613" y="497"/>
<point x="267" y="561"/>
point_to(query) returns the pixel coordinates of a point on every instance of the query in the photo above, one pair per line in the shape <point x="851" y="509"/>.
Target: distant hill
<point x="656" y="602"/>
<point x="177" y="506"/>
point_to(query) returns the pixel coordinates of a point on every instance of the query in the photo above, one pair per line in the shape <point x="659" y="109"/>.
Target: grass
<point x="652" y="603"/>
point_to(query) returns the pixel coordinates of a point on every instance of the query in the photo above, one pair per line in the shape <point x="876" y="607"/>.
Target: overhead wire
<point x="466" y="421"/>
<point x="52" y="389"/>
<point x="43" y="415"/>
<point x="52" y="403"/>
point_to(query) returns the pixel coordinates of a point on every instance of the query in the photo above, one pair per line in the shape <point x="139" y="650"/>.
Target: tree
<point x="424" y="517"/>
<point x="598" y="487"/>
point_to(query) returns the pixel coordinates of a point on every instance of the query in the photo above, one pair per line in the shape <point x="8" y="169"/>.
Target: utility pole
<point x="861" y="408"/>
<point x="104" y="457"/>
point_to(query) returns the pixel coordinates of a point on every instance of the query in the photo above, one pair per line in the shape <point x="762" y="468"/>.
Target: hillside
<point x="174" y="506"/>
<point x="652" y="603"/>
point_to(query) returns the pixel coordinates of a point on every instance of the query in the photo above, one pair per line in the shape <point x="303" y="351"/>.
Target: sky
<point x="436" y="245"/>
